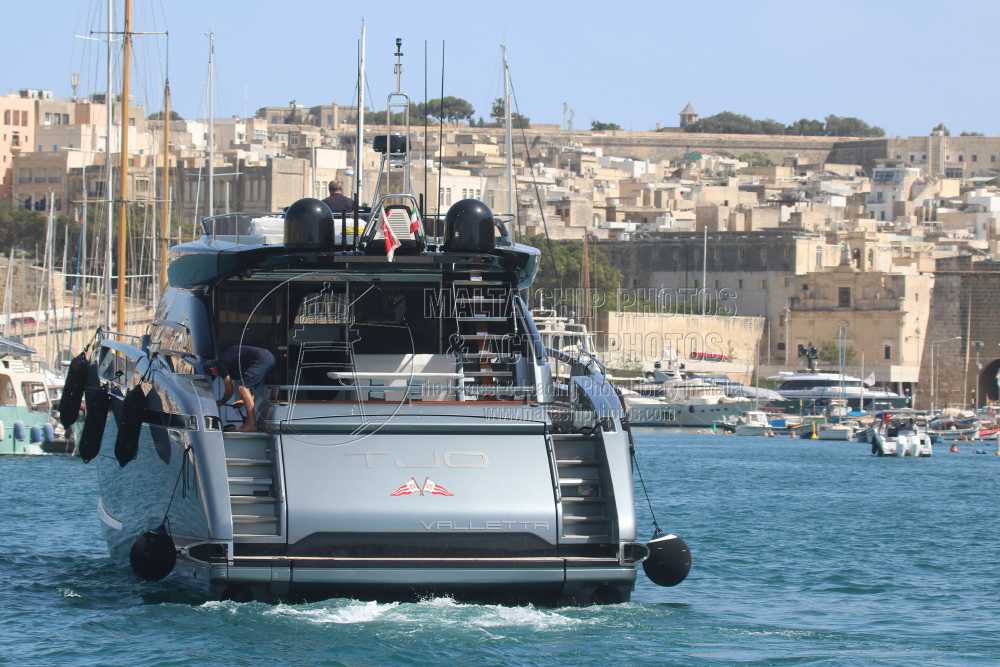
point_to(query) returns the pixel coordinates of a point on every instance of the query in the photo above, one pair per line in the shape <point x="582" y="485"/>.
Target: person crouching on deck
<point x="249" y="366"/>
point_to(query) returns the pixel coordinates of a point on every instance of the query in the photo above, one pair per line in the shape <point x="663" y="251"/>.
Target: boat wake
<point x="441" y="611"/>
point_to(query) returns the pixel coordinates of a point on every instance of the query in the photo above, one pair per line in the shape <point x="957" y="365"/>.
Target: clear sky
<point x="903" y="65"/>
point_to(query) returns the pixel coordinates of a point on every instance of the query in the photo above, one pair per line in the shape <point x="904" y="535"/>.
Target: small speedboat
<point x="888" y="441"/>
<point x="754" y="423"/>
<point x="842" y="431"/>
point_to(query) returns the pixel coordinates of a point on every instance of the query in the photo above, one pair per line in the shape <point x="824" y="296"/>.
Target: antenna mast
<point x="359" y="170"/>
<point x="165" y="194"/>
<point x="211" y="124"/>
<point x="508" y="135"/>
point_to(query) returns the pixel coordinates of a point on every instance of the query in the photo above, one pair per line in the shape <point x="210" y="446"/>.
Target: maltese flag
<point x="391" y="242"/>
<point x="433" y="488"/>
<point x="407" y="489"/>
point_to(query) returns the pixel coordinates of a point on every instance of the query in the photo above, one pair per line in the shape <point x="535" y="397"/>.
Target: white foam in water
<point x="351" y="612"/>
<point x="220" y="605"/>
<point x="440" y="611"/>
<point x="496" y="616"/>
<point x="69" y="593"/>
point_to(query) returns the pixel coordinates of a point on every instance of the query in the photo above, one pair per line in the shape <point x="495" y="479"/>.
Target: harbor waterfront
<point x="805" y="553"/>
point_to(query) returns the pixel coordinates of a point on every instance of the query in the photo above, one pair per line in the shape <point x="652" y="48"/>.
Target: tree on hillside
<point x="158" y="115"/>
<point x="756" y="159"/>
<point x="516" y="120"/>
<point x="725" y="122"/>
<point x="848" y="126"/>
<point x="455" y="109"/>
<point x="598" y="126"/>
<point x="568" y="259"/>
<point x="452" y="109"/>
<point x="728" y="122"/>
<point x="806" y="127"/>
<point x="966" y="133"/>
<point x="20" y="227"/>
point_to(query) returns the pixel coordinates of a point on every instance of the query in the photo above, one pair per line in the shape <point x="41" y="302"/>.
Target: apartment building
<point x="17" y="135"/>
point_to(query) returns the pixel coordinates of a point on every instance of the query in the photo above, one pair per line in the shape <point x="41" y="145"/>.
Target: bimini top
<point x="390" y="239"/>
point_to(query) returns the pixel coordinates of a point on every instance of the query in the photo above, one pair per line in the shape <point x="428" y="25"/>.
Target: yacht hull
<point x="10" y="444"/>
<point x="653" y="412"/>
<point x="489" y="518"/>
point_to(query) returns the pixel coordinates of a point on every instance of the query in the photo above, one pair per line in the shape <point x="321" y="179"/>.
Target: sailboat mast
<point x="82" y="268"/>
<point x="585" y="280"/>
<point x="359" y="165"/>
<point x="7" y="291"/>
<point x="508" y="134"/>
<point x="165" y="188"/>
<point x="211" y="124"/>
<point x="109" y="180"/>
<point x="123" y="166"/>
<point x="704" y="271"/>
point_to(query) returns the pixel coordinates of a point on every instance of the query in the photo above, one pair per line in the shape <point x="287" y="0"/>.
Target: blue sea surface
<point x="805" y="553"/>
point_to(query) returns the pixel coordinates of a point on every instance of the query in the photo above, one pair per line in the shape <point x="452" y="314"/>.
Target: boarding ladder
<point x="255" y="493"/>
<point x="483" y="340"/>
<point x="586" y="502"/>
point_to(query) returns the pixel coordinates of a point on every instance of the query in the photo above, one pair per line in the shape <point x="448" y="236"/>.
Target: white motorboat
<point x="689" y="403"/>
<point x="820" y="385"/>
<point x="892" y="440"/>
<point x="754" y="423"/>
<point x="395" y="449"/>
<point x="841" y="431"/>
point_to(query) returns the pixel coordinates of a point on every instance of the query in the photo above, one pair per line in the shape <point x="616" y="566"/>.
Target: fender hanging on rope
<point x="98" y="404"/>
<point x="72" y="393"/>
<point x="669" y="559"/>
<point x="130" y="425"/>
<point x="153" y="554"/>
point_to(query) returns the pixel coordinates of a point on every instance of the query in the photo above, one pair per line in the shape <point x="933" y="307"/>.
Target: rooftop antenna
<point x="74" y="82"/>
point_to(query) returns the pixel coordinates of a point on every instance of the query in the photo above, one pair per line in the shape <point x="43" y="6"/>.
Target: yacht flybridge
<point x="409" y="437"/>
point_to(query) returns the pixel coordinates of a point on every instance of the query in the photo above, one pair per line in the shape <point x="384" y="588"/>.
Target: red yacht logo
<point x="428" y="488"/>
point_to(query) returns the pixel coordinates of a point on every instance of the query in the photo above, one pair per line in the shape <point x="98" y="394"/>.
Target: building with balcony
<point x="884" y="316"/>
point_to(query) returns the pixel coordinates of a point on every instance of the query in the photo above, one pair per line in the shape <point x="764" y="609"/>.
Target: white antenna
<point x="359" y="166"/>
<point x="508" y="133"/>
<point x="211" y="124"/>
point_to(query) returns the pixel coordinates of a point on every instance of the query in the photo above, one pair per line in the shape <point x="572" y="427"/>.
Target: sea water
<point x="805" y="553"/>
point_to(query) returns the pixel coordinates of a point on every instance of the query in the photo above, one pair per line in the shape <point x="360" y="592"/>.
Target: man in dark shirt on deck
<point x="337" y="202"/>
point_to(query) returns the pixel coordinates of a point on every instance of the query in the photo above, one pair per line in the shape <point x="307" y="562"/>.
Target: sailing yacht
<point x="410" y="439"/>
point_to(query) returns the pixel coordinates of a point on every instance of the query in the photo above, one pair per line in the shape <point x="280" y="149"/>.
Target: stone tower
<point x="688" y="115"/>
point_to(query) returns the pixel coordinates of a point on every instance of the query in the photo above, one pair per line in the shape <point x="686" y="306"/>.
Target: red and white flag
<point x="409" y="488"/>
<point x="391" y="242"/>
<point x="416" y="227"/>
<point x="433" y="488"/>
